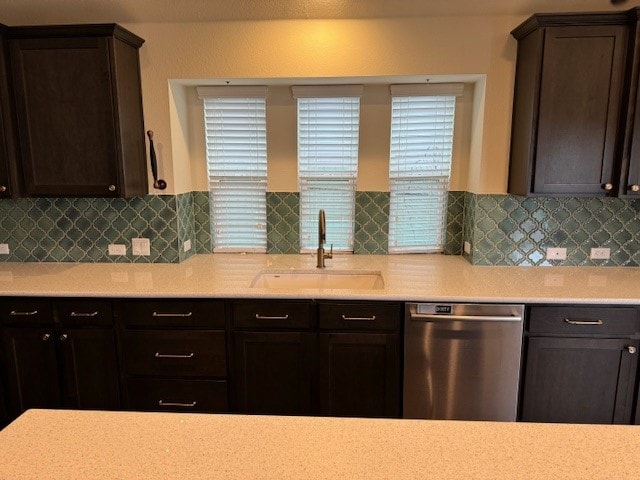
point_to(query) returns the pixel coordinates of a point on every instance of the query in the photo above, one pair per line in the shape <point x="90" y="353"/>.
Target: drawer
<point x="167" y="395"/>
<point x="190" y="353"/>
<point x="273" y="314"/>
<point x="584" y="320"/>
<point x="26" y="312"/>
<point x="172" y="313"/>
<point x="79" y="313"/>
<point x="360" y="316"/>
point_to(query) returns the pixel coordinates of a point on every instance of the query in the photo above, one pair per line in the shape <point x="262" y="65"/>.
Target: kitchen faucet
<point x="322" y="236"/>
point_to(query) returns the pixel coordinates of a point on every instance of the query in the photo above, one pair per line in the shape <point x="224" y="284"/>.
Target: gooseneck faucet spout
<point x="322" y="236"/>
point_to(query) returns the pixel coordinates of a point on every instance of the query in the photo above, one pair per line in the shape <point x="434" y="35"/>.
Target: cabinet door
<point x="6" y="151"/>
<point x="273" y="372"/>
<point x="31" y="369"/>
<point x="580" y="96"/>
<point x="579" y="380"/>
<point x="359" y="374"/>
<point x="89" y="369"/>
<point x="65" y="111"/>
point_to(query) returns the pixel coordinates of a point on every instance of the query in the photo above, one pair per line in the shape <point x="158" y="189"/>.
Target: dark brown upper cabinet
<point x="79" y="110"/>
<point x="574" y="106"/>
<point x="8" y="177"/>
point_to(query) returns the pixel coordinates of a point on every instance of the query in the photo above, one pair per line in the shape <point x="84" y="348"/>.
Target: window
<point x="328" y="128"/>
<point x="420" y="164"/>
<point x="235" y="129"/>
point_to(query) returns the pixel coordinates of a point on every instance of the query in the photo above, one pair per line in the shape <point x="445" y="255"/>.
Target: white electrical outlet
<point x="141" y="246"/>
<point x="467" y="248"/>
<point x="186" y="246"/>
<point x="556" y="253"/>
<point x="117" y="249"/>
<point x="600" y="254"/>
<point x="4" y="249"/>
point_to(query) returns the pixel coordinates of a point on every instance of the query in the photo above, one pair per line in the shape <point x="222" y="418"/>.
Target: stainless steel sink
<point x="334" y="279"/>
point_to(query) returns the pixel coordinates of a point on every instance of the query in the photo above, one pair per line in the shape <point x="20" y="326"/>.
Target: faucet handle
<point x="330" y="254"/>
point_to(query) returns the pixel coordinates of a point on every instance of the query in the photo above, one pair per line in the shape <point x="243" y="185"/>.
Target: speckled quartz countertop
<point x="70" y="445"/>
<point x="406" y="277"/>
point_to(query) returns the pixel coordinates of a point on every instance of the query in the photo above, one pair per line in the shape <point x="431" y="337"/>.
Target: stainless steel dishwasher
<point x="462" y="361"/>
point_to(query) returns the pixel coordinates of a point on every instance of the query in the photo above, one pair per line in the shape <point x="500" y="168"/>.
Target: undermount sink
<point x="340" y="279"/>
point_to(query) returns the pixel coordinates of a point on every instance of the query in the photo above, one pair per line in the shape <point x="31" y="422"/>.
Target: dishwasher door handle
<point x="428" y="317"/>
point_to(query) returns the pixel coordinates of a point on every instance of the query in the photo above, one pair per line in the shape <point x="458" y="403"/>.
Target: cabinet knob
<point x="634" y="188"/>
<point x="112" y="188"/>
<point x="631" y="349"/>
<point x="46" y="337"/>
<point x="3" y="188"/>
<point x="608" y="186"/>
<point x="63" y="337"/>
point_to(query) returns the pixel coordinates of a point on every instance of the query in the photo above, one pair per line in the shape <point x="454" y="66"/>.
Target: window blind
<point x="419" y="170"/>
<point x="328" y="130"/>
<point x="235" y="129"/>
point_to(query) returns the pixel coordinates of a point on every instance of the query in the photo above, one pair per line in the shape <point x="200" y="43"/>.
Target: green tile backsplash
<point x="502" y="229"/>
<point x="512" y="230"/>
<point x="80" y="229"/>
<point x="372" y="223"/>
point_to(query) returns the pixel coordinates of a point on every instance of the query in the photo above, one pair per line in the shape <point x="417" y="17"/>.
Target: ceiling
<point x="31" y="12"/>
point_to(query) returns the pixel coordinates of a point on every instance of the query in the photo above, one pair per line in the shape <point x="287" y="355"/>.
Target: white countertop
<point x="84" y="445"/>
<point x="406" y="278"/>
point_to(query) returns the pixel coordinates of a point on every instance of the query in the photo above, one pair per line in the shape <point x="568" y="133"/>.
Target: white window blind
<point x="328" y="129"/>
<point x="419" y="168"/>
<point x="235" y="129"/>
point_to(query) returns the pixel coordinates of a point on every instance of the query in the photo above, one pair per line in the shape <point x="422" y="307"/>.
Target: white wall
<point x="329" y="48"/>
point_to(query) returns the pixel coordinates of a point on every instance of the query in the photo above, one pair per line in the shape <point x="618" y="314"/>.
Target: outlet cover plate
<point x="600" y="254"/>
<point x="4" y="249"/>
<point x="141" y="246"/>
<point x="117" y="249"/>
<point x="186" y="246"/>
<point x="556" y="253"/>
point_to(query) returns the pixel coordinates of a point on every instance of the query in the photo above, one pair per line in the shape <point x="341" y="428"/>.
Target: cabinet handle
<point x="372" y="317"/>
<point x="162" y="403"/>
<point x="3" y="189"/>
<point x="608" y="186"/>
<point x="264" y="317"/>
<point x="634" y="188"/>
<point x="46" y="337"/>
<point x="15" y="313"/>
<point x="583" y="322"/>
<point x="170" y="355"/>
<point x="63" y="337"/>
<point x="631" y="349"/>
<point x="84" y="314"/>
<point x="181" y="315"/>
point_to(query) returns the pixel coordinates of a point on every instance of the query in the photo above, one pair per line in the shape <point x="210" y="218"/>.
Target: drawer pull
<point x="372" y="317"/>
<point x="182" y="315"/>
<point x="84" y="314"/>
<point x="14" y="313"/>
<point x="583" y="322"/>
<point x="170" y="355"/>
<point x="264" y="317"/>
<point x="162" y="403"/>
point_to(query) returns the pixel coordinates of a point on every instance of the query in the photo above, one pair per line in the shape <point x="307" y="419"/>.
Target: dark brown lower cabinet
<point x="359" y="374"/>
<point x="32" y="371"/>
<point x="89" y="369"/>
<point x="273" y="372"/>
<point x="177" y="395"/>
<point x="72" y="368"/>
<point x="579" y="380"/>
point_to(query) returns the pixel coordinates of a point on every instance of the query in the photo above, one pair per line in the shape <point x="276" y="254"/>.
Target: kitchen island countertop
<point x="86" y="445"/>
<point x="406" y="278"/>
